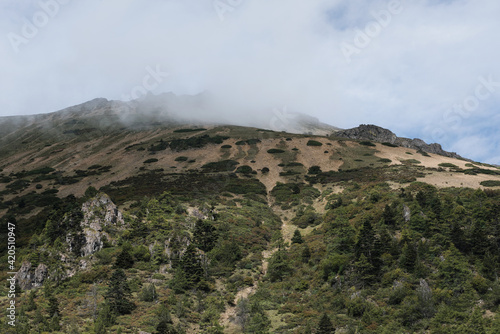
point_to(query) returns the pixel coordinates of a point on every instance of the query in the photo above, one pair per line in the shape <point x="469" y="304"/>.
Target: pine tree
<point x="389" y="215"/>
<point x="204" y="235"/>
<point x="165" y="324"/>
<point x="31" y="304"/>
<point x="297" y="237"/>
<point x="148" y="293"/>
<point x="191" y="265"/>
<point x="325" y="325"/>
<point x="118" y="293"/>
<point x="366" y="239"/>
<point x="306" y="254"/>
<point x="278" y="266"/>
<point x="124" y="259"/>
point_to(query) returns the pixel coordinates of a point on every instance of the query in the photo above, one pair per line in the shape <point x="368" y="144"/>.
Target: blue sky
<point x="427" y="69"/>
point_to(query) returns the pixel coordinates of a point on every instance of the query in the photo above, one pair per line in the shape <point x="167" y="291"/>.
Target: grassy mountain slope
<point x="234" y="229"/>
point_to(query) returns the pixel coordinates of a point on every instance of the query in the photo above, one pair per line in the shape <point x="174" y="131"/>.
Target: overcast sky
<point x="427" y="69"/>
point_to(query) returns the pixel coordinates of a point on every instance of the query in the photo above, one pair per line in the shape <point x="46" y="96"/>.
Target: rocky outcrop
<point x="381" y="135"/>
<point x="28" y="277"/>
<point x="98" y="213"/>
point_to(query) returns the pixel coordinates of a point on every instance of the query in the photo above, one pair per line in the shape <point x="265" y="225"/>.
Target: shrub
<point x="226" y="146"/>
<point x="384" y="160"/>
<point x="367" y="143"/>
<point x="447" y="164"/>
<point x="148" y="293"/>
<point x="149" y="161"/>
<point x="490" y="183"/>
<point x="411" y="161"/>
<point x="189" y="130"/>
<point x="265" y="170"/>
<point x="220" y="166"/>
<point x="275" y="151"/>
<point x="244" y="169"/>
<point x="314" y="170"/>
<point x="314" y="143"/>
<point x="181" y="158"/>
<point x="389" y="144"/>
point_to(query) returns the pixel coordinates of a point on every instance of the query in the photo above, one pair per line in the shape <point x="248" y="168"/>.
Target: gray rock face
<point x="28" y="278"/>
<point x="381" y="135"/>
<point x="406" y="213"/>
<point x="97" y="213"/>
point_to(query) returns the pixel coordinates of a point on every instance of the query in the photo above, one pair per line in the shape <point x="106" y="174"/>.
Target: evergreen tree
<point x="124" y="259"/>
<point x="389" y="215"/>
<point x="165" y="324"/>
<point x="278" y="266"/>
<point x="258" y="321"/>
<point x="148" y="293"/>
<point x="118" y="293"/>
<point x="53" y="308"/>
<point x="31" y="304"/>
<point x="191" y="265"/>
<point x="325" y="325"/>
<point x="366" y="239"/>
<point x="204" y="235"/>
<point x="408" y="257"/>
<point x="297" y="237"/>
<point x="306" y="254"/>
<point x="179" y="282"/>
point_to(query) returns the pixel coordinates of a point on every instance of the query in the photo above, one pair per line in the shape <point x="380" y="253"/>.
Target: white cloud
<point x="263" y="55"/>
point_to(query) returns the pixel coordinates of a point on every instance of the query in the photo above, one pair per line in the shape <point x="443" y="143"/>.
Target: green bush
<point x="220" y="166"/>
<point x="313" y="170"/>
<point x="275" y="151"/>
<point x="389" y="144"/>
<point x="367" y="143"/>
<point x="490" y="183"/>
<point x="149" y="161"/>
<point x="314" y="143"/>
<point x="189" y="130"/>
<point x="226" y="146"/>
<point x="244" y="169"/>
<point x="181" y="158"/>
<point x="447" y="164"/>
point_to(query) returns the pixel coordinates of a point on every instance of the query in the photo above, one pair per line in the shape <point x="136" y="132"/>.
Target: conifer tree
<point x="191" y="265"/>
<point x="297" y="237"/>
<point x="325" y="325"/>
<point x="204" y="235"/>
<point x="118" y="293"/>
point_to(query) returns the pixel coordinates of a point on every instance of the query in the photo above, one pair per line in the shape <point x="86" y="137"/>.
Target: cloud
<point x="259" y="55"/>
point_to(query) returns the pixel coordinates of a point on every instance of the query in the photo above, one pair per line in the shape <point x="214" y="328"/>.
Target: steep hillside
<point x="128" y="219"/>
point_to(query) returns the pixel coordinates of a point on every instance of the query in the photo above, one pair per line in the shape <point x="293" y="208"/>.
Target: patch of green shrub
<point x="149" y="161"/>
<point x="314" y="143"/>
<point x="389" y="144"/>
<point x="244" y="169"/>
<point x="181" y="158"/>
<point x="189" y="130"/>
<point x="275" y="151"/>
<point x="447" y="164"/>
<point x="220" y="166"/>
<point x="367" y="143"/>
<point x="490" y="183"/>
